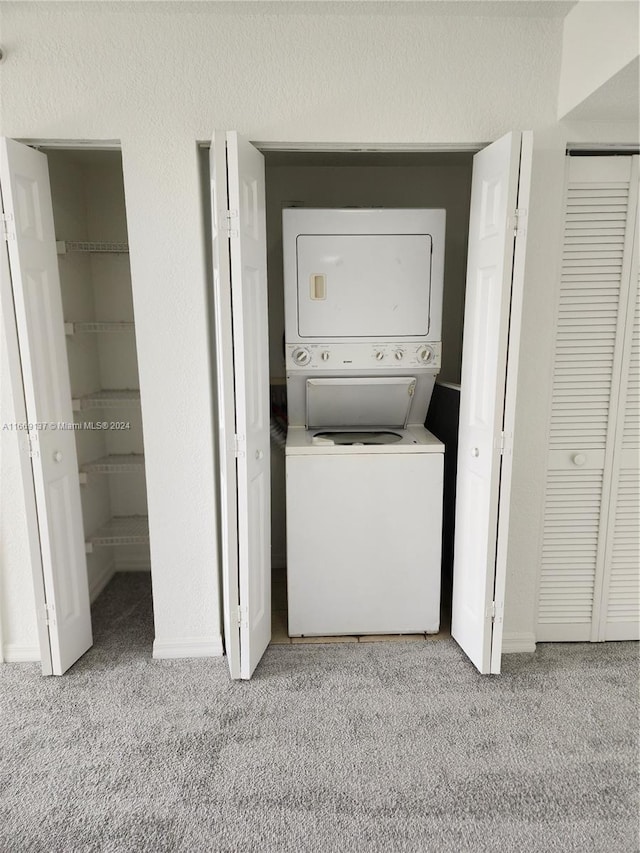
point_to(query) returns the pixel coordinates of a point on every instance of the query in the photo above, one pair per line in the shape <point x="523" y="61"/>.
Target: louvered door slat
<point x="569" y="554"/>
<point x="631" y="430"/>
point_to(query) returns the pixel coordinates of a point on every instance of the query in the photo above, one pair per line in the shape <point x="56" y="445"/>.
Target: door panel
<point x="38" y="308"/>
<point x="491" y="338"/>
<point x="9" y="331"/>
<point x="584" y="538"/>
<point x="226" y="399"/>
<point x="248" y="242"/>
<point x="240" y="277"/>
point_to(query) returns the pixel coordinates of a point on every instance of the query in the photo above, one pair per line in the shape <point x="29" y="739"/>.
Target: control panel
<point x="365" y="356"/>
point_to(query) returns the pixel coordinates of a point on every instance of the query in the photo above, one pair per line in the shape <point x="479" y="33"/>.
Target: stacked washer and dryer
<point x="364" y="478"/>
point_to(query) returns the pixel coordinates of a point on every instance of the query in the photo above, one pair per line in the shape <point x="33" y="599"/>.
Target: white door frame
<point x="502" y="530"/>
<point x="354" y="147"/>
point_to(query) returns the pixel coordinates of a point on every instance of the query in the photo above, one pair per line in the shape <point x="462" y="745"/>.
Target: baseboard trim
<point x="514" y="642"/>
<point x="188" y="647"/>
<point x="100" y="581"/>
<point x="15" y="653"/>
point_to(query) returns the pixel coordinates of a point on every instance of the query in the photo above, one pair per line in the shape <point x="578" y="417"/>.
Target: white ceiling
<point x="616" y="100"/>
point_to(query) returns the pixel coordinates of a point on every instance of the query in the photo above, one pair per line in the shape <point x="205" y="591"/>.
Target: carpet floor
<point x="357" y="747"/>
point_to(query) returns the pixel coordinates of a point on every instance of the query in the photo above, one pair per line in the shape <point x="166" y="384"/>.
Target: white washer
<point x="364" y="526"/>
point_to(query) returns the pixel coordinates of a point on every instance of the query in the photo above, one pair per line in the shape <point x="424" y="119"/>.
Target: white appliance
<point x="363" y="302"/>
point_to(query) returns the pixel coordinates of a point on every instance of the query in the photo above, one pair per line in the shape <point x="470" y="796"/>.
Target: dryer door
<point x="363" y="285"/>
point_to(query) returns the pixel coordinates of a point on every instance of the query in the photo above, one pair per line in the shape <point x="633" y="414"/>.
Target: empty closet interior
<point x="91" y="232"/>
<point x="370" y="180"/>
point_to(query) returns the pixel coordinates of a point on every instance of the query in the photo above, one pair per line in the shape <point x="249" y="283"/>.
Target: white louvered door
<point x="586" y="569"/>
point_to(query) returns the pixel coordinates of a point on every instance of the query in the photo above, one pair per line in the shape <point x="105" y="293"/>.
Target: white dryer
<point x="363" y="302"/>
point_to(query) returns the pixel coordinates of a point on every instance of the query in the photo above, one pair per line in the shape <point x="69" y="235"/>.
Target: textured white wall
<point x="122" y="70"/>
<point x="600" y="38"/>
<point x="161" y="76"/>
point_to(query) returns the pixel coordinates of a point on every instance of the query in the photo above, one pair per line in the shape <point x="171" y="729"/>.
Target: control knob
<point x="301" y="356"/>
<point x="325" y="355"/>
<point x="425" y="354"/>
<point x="379" y="355"/>
<point x="399" y="354"/>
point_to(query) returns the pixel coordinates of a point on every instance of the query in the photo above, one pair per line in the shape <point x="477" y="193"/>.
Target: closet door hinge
<point x="242" y="617"/>
<point x="240" y="445"/>
<point x="7" y="227"/>
<point x="500" y="443"/>
<point x="232" y="223"/>
<point x="49" y="614"/>
<point x="491" y="611"/>
<point x="519" y="221"/>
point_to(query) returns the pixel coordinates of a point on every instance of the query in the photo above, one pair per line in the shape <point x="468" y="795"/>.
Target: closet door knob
<point x="475" y="451"/>
<point x="579" y="459"/>
<point x="259" y="454"/>
<point x="57" y="456"/>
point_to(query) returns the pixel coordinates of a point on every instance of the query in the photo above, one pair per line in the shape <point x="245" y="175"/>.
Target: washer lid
<point x="359" y="401"/>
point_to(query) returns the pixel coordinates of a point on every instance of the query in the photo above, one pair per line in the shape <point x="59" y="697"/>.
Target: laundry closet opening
<point x="366" y="180"/>
<point x="87" y="191"/>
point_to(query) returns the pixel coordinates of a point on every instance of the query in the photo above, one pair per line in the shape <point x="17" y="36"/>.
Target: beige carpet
<point x="355" y="747"/>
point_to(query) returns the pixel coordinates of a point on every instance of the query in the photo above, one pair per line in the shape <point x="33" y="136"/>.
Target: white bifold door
<point x="493" y="308"/>
<point x="242" y="354"/>
<point x="60" y="578"/>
